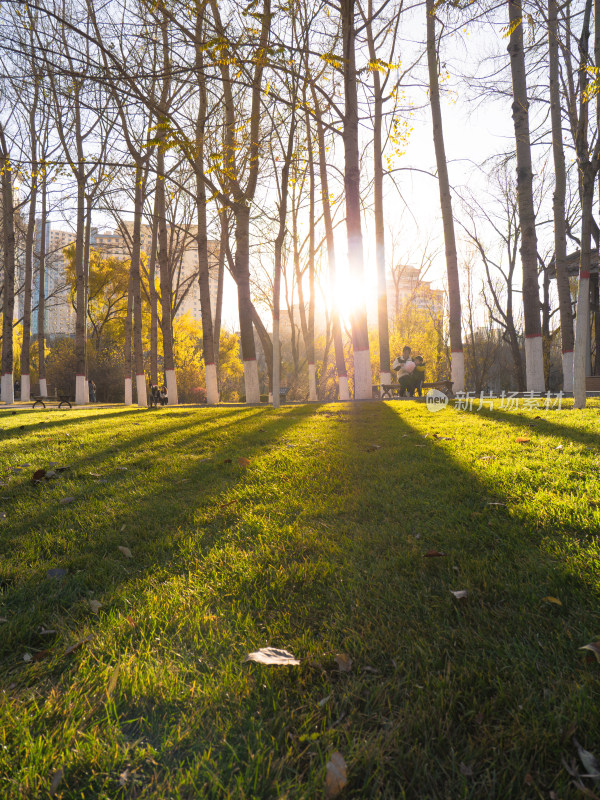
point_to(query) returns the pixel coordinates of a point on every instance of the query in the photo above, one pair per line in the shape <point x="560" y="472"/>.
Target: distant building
<point x="406" y="287"/>
<point x="59" y="316"/>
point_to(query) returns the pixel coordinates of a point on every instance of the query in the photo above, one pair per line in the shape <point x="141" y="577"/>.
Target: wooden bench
<point x="388" y="391"/>
<point x="62" y="399"/>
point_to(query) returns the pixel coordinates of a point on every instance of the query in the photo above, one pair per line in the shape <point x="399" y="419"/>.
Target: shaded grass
<point x="317" y="546"/>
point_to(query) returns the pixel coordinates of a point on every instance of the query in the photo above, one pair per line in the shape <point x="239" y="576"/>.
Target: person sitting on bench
<point x="418" y="377"/>
<point x="404" y="367"/>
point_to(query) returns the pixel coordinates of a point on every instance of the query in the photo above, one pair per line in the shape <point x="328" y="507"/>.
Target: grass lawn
<point x="124" y="676"/>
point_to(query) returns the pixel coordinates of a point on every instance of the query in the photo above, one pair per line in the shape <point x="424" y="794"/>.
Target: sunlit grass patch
<point x="303" y="529"/>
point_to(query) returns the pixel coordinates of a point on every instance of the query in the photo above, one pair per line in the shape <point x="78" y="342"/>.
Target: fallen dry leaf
<point x="373" y="447"/>
<point x="272" y="656"/>
<point x="55" y="782"/>
<point x="126" y="551"/>
<point x="3" y="619"/>
<point x="589" y="762"/>
<point x="560" y="447"/>
<point x="27" y="657"/>
<point x="95" y="606"/>
<point x="66" y="500"/>
<point x="433" y="554"/>
<point x="38" y="475"/>
<point x="460" y="595"/>
<point x="553" y="600"/>
<point x="344" y="662"/>
<point x="594" y="647"/>
<point x="75" y="647"/>
<point x="466" y="770"/>
<point x="522" y="439"/>
<point x="442" y="438"/>
<point x="112" y="682"/>
<point x="124" y="777"/>
<point x="243" y="462"/>
<point x="41" y="655"/>
<point x="336" y="777"/>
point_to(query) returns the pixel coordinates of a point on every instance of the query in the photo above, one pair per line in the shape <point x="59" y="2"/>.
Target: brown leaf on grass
<point x="460" y="595"/>
<point x="433" y="554"/>
<point x="125" y="550"/>
<point x="75" y="647"/>
<point x="466" y="769"/>
<point x="522" y="439"/>
<point x="336" y="776"/>
<point x="227" y="461"/>
<point x="243" y="462"/>
<point x="64" y="501"/>
<point x="95" y="606"/>
<point x="27" y="657"/>
<point x="594" y="647"/>
<point x="554" y="600"/>
<point x="112" y="681"/>
<point x="344" y="662"/>
<point x="130" y="621"/>
<point x="41" y="655"/>
<point x="442" y="438"/>
<point x="124" y="777"/>
<point x="272" y="656"/>
<point x="372" y="447"/>
<point x="38" y="475"/>
<point x="55" y="782"/>
<point x="230" y="503"/>
<point x="3" y="619"/>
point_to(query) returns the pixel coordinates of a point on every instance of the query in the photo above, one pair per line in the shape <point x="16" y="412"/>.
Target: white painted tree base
<point x="251" y="382"/>
<point x="567" y="365"/>
<point x="81" y="390"/>
<point x="385" y="379"/>
<point x="141" y="391"/>
<point x="344" y="389"/>
<point x="7" y="389"/>
<point x="534" y="364"/>
<point x="25" y="389"/>
<point x="172" y="387"/>
<point x="212" y="385"/>
<point x="128" y="392"/>
<point x="458" y="371"/>
<point x="363" y="388"/>
<point x="312" y="384"/>
<point x="43" y="387"/>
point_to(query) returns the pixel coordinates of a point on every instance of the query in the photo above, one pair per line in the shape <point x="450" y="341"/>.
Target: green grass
<point x="317" y="547"/>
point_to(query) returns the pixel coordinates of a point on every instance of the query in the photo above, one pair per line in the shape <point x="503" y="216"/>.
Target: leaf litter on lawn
<point x="272" y="656"/>
<point x="336" y="775"/>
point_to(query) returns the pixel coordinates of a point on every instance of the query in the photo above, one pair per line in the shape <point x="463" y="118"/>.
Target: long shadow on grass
<point x="489" y="684"/>
<point x="549" y="427"/>
<point x="157" y="507"/>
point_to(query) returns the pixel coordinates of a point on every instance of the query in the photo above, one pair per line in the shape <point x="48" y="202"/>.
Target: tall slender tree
<point x="456" y="348"/>
<point x="534" y="352"/>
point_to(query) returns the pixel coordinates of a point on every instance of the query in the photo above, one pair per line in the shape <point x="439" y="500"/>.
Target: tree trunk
<point x="8" y="305"/>
<point x="338" y="345"/>
<point x="153" y="300"/>
<point x="41" y="310"/>
<point x="310" y="344"/>
<point x="360" y="336"/>
<point x="560" y="188"/>
<point x="279" y="239"/>
<point x="456" y="348"/>
<point x="166" y="293"/>
<point x="29" y="245"/>
<point x="128" y="337"/>
<point x="136" y="288"/>
<point x="208" y="342"/>
<point x="534" y="356"/>
<point x="582" y="321"/>
<point x="242" y="270"/>
<point x="224" y="241"/>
